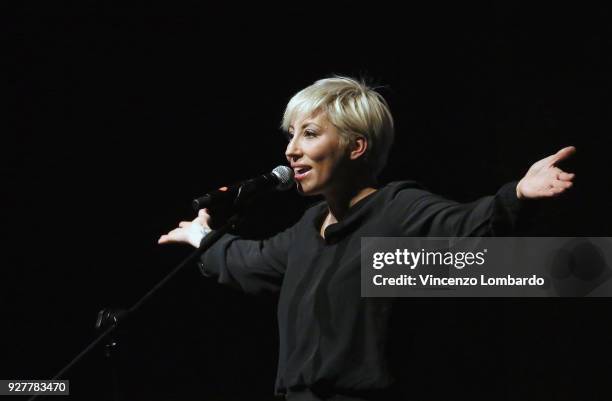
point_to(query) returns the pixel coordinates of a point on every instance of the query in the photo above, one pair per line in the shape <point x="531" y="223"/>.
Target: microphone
<point x="280" y="179"/>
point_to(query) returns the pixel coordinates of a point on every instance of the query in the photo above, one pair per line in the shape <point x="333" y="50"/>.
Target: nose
<point x="293" y="151"/>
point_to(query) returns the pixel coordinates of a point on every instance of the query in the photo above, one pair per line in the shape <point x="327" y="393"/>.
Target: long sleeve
<point x="331" y="339"/>
<point x="254" y="266"/>
<point x="432" y="215"/>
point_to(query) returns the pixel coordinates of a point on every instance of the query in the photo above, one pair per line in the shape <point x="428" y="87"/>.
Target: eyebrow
<point x="306" y="125"/>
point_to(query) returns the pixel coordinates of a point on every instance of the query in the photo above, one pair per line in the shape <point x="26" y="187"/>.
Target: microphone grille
<point x="285" y="177"/>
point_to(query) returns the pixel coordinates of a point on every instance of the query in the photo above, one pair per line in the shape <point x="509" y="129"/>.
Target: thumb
<point x="562" y="154"/>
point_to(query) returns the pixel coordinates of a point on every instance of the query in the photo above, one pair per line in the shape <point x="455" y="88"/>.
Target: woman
<point x="333" y="342"/>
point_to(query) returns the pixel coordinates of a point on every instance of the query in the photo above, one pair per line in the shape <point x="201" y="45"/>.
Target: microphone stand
<point x="108" y="320"/>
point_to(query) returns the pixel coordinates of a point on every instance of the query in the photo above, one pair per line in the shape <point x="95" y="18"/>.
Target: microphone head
<point x="285" y="177"/>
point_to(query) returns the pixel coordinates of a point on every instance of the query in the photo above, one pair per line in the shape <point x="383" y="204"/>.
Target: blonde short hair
<point x="354" y="108"/>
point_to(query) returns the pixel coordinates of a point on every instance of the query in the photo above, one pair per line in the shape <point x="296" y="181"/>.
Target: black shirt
<point x="331" y="339"/>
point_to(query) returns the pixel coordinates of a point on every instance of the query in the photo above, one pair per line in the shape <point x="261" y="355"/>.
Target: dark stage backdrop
<point x="121" y="113"/>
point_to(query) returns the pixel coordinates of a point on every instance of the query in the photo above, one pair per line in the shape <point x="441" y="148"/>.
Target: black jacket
<point x="331" y="339"/>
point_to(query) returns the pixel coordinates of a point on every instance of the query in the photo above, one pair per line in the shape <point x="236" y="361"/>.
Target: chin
<point x="307" y="190"/>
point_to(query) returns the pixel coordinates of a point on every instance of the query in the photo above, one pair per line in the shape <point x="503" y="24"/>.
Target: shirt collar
<point x="354" y="216"/>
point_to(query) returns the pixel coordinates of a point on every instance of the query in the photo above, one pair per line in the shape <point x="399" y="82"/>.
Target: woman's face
<point x="315" y="153"/>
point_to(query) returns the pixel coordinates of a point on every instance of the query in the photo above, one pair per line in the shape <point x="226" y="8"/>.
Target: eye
<point x="289" y="136"/>
<point x="310" y="133"/>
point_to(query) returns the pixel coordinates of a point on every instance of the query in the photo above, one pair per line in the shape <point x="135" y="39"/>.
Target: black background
<point x="120" y="113"/>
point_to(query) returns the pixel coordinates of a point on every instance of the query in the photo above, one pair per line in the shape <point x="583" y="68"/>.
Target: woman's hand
<point x="544" y="179"/>
<point x="189" y="232"/>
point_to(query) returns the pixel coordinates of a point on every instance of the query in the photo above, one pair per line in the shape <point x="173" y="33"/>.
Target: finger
<point x="564" y="184"/>
<point x="566" y="176"/>
<point x="184" y="223"/>
<point x="167" y="239"/>
<point x="174" y="232"/>
<point x="557" y="188"/>
<point x="554" y="191"/>
<point x="562" y="154"/>
<point x="205" y="217"/>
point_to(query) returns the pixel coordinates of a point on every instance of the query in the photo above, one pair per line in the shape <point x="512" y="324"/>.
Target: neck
<point x="342" y="198"/>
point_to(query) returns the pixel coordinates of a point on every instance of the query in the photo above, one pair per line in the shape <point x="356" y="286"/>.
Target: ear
<point x="358" y="147"/>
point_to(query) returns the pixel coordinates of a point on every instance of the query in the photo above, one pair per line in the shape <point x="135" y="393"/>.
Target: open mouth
<point x="301" y="172"/>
